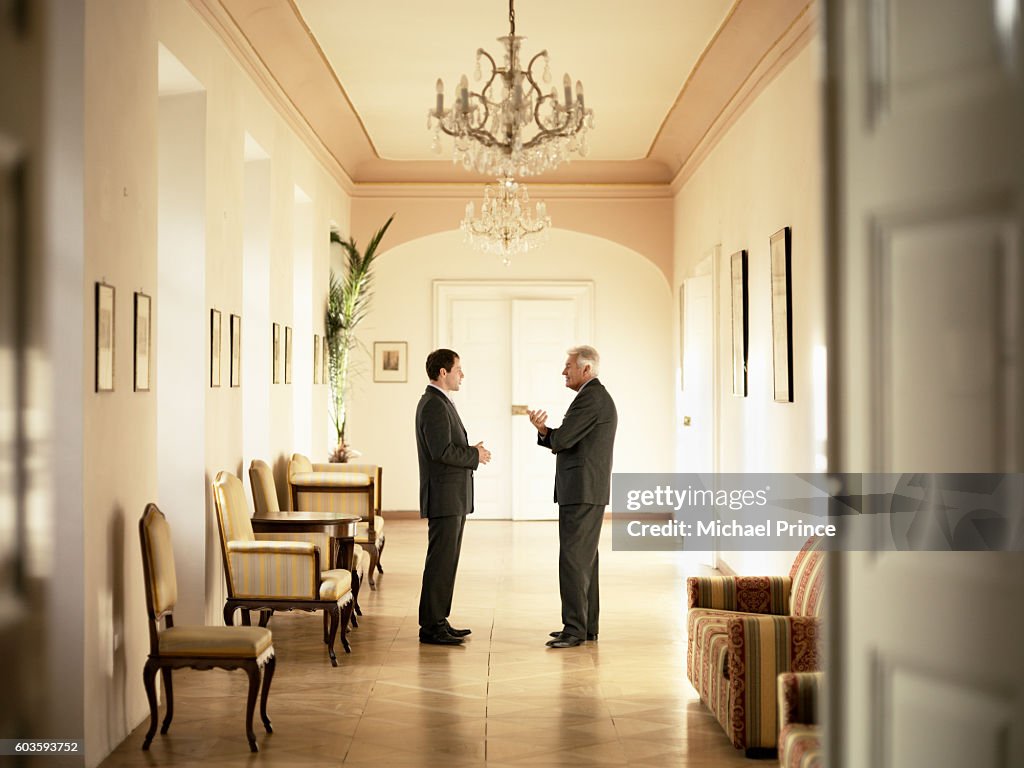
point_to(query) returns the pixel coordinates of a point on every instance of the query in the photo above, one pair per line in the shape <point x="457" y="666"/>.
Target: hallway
<point x="502" y="699"/>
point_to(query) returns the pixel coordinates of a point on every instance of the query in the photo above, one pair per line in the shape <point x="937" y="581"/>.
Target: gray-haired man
<point x="583" y="466"/>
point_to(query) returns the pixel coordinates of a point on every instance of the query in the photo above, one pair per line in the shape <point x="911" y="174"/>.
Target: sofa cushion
<point x="800" y="746"/>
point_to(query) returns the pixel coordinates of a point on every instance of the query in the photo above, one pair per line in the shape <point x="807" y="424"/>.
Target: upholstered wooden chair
<point x="742" y="632"/>
<point x="171" y="647"/>
<point x="350" y="488"/>
<point x="264" y="497"/>
<point x="276" y="575"/>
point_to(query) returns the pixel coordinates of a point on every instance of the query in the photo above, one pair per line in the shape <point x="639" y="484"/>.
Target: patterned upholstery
<point x="162" y="579"/>
<point x="742" y="632"/>
<point x="799" y="732"/>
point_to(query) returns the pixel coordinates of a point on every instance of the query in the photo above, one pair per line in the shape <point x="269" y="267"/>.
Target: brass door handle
<point x="686" y="421"/>
<point x="519" y="410"/>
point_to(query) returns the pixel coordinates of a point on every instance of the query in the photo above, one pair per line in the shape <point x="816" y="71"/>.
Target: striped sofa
<point x="799" y="732"/>
<point x="742" y="632"/>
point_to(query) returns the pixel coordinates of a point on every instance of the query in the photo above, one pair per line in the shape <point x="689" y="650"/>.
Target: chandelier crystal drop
<point x="510" y="126"/>
<point x="506" y="225"/>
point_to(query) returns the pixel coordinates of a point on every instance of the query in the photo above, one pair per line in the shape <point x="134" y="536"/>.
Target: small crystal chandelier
<point x="506" y="225"/>
<point x="510" y="127"/>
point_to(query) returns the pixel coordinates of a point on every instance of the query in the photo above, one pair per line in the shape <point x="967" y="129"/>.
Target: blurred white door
<point x="696" y="446"/>
<point x="925" y="355"/>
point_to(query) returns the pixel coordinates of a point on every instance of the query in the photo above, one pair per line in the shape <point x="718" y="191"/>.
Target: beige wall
<point x="764" y="174"/>
<point x="632" y="332"/>
<point x="120" y="428"/>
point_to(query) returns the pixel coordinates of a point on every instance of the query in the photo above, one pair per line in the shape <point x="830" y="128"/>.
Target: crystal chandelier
<point x="510" y="127"/>
<point x="506" y="225"/>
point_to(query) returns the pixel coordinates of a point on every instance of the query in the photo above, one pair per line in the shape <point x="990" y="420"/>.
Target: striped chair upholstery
<point x="742" y="632"/>
<point x="275" y="575"/>
<point x="200" y="647"/>
<point x="353" y="489"/>
<point x="799" y="732"/>
<point x="264" y="497"/>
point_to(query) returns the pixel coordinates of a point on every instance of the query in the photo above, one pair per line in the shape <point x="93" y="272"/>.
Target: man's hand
<point x="483" y="453"/>
<point x="539" y="420"/>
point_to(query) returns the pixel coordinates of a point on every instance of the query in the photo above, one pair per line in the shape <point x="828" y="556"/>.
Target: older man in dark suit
<point x="583" y="449"/>
<point x="446" y="461"/>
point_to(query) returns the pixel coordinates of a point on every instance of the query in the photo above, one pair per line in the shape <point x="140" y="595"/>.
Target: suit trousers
<point x="444" y="542"/>
<point x="579" y="531"/>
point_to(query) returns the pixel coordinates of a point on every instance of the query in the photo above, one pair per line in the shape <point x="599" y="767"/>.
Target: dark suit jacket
<point x="446" y="458"/>
<point x="583" y="447"/>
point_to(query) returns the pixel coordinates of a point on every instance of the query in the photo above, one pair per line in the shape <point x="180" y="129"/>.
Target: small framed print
<point x="215" y="339"/>
<point x="287" y="354"/>
<point x="738" y="281"/>
<point x="782" y="316"/>
<point x="325" y="375"/>
<point x="143" y="331"/>
<point x="316" y="358"/>
<point x="390" y="361"/>
<point x="104" y="337"/>
<point x="236" y="351"/>
<point x="277" y="354"/>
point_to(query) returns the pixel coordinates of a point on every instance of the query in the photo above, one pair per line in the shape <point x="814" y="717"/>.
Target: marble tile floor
<point x="501" y="699"/>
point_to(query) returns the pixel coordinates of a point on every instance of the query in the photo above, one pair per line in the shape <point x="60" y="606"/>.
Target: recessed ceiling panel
<point x="632" y="57"/>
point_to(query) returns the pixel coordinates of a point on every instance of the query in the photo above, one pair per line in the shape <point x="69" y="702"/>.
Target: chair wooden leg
<point x="253" y="672"/>
<point x="380" y="551"/>
<point x="333" y="610"/>
<point x="265" y="616"/>
<point x="326" y="628"/>
<point x="169" y="693"/>
<point x="268" y="675"/>
<point x="246" y="619"/>
<point x="355" y="598"/>
<point x="372" y="567"/>
<point x="229" y="614"/>
<point x="149" y="681"/>
<point x="346" y="616"/>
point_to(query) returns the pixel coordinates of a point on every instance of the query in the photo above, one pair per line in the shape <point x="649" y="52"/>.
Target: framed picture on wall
<point x="104" y="337"/>
<point x="316" y="358"/>
<point x="325" y="375"/>
<point x="390" y="361"/>
<point x="143" y="329"/>
<point x="276" y="372"/>
<point x="738" y="283"/>
<point x="287" y="354"/>
<point x="215" y="345"/>
<point x="782" y="316"/>
<point x="236" y="351"/>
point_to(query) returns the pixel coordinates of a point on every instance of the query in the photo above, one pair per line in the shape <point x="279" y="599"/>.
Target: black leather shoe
<point x="557" y="632"/>
<point x="456" y="632"/>
<point x="564" y="641"/>
<point x="439" y="638"/>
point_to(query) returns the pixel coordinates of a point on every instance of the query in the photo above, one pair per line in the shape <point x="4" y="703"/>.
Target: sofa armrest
<point x="371" y="470"/>
<point x="328" y="480"/>
<point x="798" y="698"/>
<point x="268" y="547"/>
<point x="747" y="594"/>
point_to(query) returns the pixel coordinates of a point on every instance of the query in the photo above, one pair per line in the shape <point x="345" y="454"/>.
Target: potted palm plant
<point x="348" y="302"/>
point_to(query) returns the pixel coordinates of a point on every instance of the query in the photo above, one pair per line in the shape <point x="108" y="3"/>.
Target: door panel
<point x="696" y="453"/>
<point x="926" y="185"/>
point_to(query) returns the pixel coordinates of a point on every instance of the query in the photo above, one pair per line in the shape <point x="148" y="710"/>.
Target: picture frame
<point x="316" y="358"/>
<point x="325" y="375"/>
<point x="740" y="330"/>
<point x="143" y="328"/>
<point x="235" y="375"/>
<point x="782" y="314"/>
<point x="215" y="347"/>
<point x="276" y="371"/>
<point x="390" y="361"/>
<point x="105" y="319"/>
<point x="287" y="354"/>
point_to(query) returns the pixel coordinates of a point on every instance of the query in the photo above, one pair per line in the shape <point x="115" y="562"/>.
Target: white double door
<point x="511" y="339"/>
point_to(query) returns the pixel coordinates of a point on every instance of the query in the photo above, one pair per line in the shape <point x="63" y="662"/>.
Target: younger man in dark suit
<point x="446" y="461"/>
<point x="583" y="468"/>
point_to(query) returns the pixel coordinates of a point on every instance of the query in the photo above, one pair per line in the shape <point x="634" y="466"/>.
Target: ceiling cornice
<point x="538" y="190"/>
